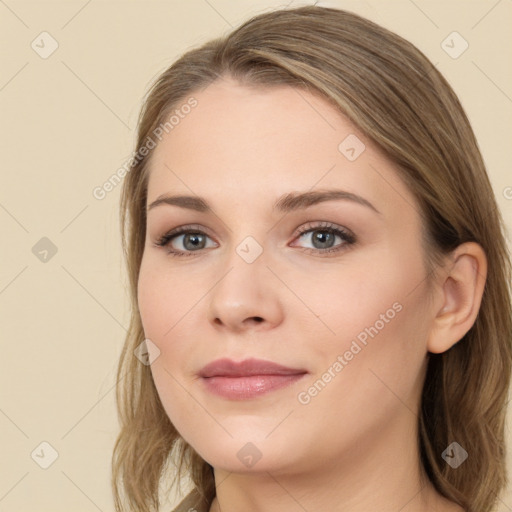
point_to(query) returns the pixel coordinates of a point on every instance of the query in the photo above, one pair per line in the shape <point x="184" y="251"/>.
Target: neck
<point x="370" y="475"/>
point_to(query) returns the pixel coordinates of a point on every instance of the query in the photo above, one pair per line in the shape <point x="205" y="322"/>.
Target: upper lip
<point x="228" y="368"/>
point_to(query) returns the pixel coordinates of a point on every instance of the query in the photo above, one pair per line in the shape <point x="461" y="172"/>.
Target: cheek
<point x="165" y="299"/>
<point x="344" y="302"/>
<point x="359" y="387"/>
<point x="377" y="358"/>
<point x="368" y="293"/>
<point x="167" y="304"/>
<point x="372" y="332"/>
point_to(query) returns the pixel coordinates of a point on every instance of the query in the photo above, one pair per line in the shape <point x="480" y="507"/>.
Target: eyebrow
<point x="286" y="203"/>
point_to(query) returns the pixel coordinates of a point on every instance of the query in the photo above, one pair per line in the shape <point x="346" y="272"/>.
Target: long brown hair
<point x="398" y="99"/>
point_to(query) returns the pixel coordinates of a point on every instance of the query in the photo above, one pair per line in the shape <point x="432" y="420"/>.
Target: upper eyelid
<point x="306" y="226"/>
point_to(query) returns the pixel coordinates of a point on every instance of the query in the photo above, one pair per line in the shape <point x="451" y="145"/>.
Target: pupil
<point x="323" y="237"/>
<point x="195" y="240"/>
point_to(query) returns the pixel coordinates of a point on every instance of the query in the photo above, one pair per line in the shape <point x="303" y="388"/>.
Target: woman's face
<point x="332" y="288"/>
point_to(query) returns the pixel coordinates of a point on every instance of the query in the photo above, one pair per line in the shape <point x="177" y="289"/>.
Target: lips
<point x="247" y="379"/>
<point x="246" y="368"/>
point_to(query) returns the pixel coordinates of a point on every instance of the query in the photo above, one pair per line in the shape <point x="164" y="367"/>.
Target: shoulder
<point x="193" y="502"/>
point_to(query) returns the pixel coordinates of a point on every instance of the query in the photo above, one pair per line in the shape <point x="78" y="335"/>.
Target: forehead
<point x="245" y="144"/>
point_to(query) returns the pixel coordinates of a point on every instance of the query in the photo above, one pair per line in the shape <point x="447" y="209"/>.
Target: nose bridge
<point x="245" y="268"/>
<point x="244" y="291"/>
<point x="247" y="238"/>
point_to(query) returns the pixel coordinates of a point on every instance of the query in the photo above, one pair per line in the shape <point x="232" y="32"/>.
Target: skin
<point x="353" y="446"/>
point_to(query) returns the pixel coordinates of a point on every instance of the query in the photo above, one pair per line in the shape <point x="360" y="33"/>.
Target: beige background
<point x="68" y="123"/>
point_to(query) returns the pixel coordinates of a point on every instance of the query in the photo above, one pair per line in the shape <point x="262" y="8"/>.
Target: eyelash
<point x="346" y="236"/>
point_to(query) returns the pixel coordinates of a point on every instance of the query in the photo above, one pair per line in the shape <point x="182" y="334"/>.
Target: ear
<point x="462" y="286"/>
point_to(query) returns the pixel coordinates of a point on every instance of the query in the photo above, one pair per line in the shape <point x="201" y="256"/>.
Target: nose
<point x="247" y="297"/>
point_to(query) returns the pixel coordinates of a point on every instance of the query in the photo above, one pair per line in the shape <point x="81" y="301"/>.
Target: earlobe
<point x="462" y="287"/>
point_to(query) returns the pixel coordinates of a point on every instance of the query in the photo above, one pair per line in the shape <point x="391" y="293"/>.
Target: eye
<point x="323" y="237"/>
<point x="192" y="240"/>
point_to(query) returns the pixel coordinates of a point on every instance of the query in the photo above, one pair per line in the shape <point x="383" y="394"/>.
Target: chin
<point x="240" y="454"/>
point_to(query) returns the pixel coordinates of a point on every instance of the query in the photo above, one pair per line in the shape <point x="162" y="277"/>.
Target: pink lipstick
<point x="247" y="379"/>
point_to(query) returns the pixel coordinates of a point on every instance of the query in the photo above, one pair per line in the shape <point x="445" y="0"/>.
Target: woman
<point x="320" y="279"/>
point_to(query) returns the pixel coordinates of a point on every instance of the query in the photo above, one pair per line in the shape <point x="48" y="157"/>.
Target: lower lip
<point x="244" y="388"/>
